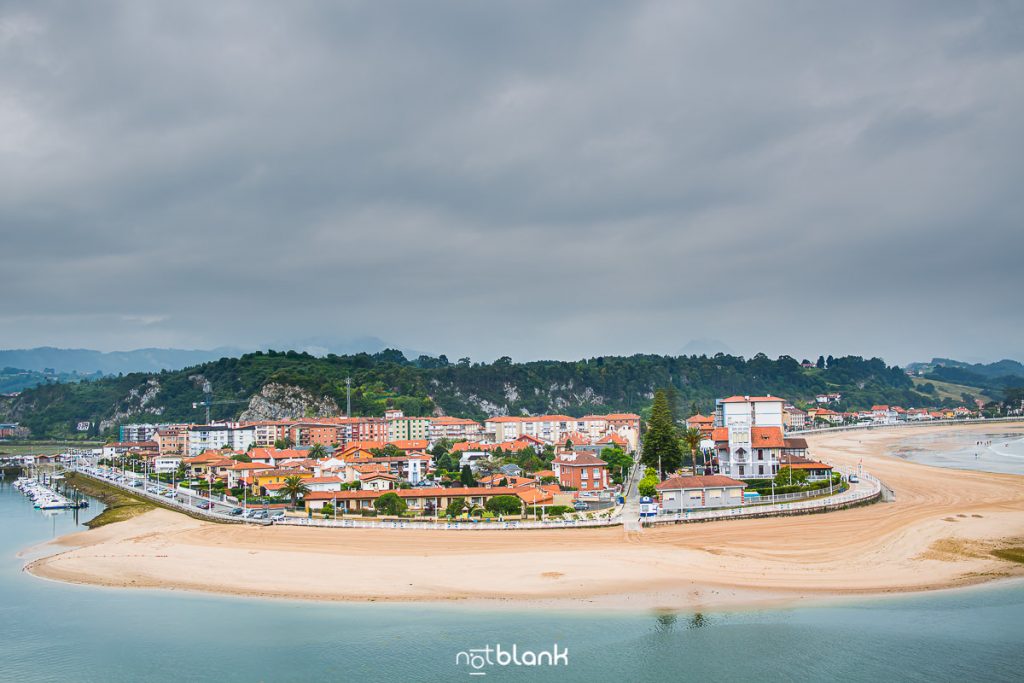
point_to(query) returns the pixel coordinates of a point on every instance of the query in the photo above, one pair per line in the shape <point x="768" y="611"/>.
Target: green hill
<point x="429" y="385"/>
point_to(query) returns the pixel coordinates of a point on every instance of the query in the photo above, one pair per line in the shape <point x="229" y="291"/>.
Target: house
<point x="378" y="481"/>
<point x="209" y="464"/>
<point x="581" y="471"/>
<point x="705" y="423"/>
<point x="323" y="483"/>
<point x="261" y="479"/>
<point x="695" y="493"/>
<point x="166" y="464"/>
<point x="794" y="446"/>
<point x="429" y="500"/>
<point x="141" y="449"/>
<point x="748" y="452"/>
<point x="241" y="473"/>
<point x="543" y="474"/>
<point x="815" y="470"/>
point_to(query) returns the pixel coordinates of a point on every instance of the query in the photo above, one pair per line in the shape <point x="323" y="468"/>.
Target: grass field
<point x="43" y="447"/>
<point x="948" y="389"/>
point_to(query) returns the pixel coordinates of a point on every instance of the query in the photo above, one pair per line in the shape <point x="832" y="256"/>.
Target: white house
<point x="695" y="493"/>
<point x="748" y="436"/>
<point x="165" y="464"/>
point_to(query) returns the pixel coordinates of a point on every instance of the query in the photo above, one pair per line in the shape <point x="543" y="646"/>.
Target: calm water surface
<point x="55" y="632"/>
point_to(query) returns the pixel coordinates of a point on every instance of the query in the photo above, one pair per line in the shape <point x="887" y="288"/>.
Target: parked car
<point x="277" y="516"/>
<point x="580" y="506"/>
<point x="260" y="514"/>
<point x="853" y="479"/>
<point x="234" y="512"/>
<point x="204" y="505"/>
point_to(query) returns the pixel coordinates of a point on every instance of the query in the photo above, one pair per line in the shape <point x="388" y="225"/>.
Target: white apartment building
<point x="214" y="437"/>
<point x="455" y="429"/>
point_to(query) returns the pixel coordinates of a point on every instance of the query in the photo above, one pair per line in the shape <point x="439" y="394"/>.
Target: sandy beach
<point x="937" y="534"/>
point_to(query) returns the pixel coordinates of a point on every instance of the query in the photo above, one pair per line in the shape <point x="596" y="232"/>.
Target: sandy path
<point x="937" y="534"/>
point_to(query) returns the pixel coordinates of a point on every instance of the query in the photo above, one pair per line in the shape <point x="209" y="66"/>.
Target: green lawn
<point x="948" y="389"/>
<point x="42" y="447"/>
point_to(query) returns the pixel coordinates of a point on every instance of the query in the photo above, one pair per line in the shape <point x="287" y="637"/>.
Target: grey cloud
<point x="599" y="177"/>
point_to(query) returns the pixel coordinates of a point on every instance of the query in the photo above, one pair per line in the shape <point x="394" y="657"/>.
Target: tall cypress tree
<point x="661" y="443"/>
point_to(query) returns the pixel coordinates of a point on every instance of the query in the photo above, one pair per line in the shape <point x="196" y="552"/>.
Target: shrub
<point x="504" y="505"/>
<point x="391" y="504"/>
<point x="368" y="513"/>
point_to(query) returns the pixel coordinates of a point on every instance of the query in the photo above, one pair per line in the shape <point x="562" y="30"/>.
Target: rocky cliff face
<point x="138" y="401"/>
<point x="282" y="402"/>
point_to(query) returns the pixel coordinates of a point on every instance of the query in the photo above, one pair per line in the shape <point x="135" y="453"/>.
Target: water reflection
<point x="665" y="621"/>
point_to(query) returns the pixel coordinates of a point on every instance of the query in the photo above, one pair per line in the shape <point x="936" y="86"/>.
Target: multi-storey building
<point x="581" y="471"/>
<point x="137" y="432"/>
<point x="454" y="429"/>
<point x="214" y="437"/>
<point x="748" y="436"/>
<point x="172" y="440"/>
<point x="403" y="428"/>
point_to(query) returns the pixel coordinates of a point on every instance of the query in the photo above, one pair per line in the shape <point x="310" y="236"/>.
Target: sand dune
<point x="937" y="534"/>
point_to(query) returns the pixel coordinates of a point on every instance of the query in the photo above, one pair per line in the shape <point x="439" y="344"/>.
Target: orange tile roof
<point x="767" y="437"/>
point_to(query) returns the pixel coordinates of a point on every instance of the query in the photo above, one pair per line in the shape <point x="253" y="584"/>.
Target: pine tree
<point x="661" y="443"/>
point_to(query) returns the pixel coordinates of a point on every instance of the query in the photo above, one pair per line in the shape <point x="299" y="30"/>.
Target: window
<point x="760" y="454"/>
<point x="583" y="485"/>
<point x="741" y="470"/>
<point x="760" y="469"/>
<point x="597" y="473"/>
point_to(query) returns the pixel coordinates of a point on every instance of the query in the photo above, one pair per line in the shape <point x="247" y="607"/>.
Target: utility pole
<point x="348" y="397"/>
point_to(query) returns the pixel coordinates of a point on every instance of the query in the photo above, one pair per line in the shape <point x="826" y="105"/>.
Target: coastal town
<point x="749" y="451"/>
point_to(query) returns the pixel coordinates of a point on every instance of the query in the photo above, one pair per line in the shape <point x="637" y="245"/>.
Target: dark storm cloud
<point x="599" y="177"/>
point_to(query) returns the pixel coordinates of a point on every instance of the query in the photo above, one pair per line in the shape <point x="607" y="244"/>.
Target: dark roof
<point x="796" y="443"/>
<point x="709" y="481"/>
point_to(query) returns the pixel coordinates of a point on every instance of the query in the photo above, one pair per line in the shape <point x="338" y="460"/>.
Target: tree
<point x="694" y="410"/>
<point x="455" y="506"/>
<point x="285" y="443"/>
<point x="317" y="451"/>
<point x="617" y="459"/>
<point x="466" y="477"/>
<point x="692" y="438"/>
<point x="821" y="363"/>
<point x="445" y="463"/>
<point x="661" y="444"/>
<point x="390" y="504"/>
<point x="487" y="466"/>
<point x="787" y="475"/>
<point x="241" y="457"/>
<point x="504" y="505"/>
<point x="648" y="486"/>
<point x="327" y="509"/>
<point x="568" y="444"/>
<point x="294" y="487"/>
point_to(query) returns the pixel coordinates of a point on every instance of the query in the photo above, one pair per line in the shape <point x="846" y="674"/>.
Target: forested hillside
<point x="436" y="386"/>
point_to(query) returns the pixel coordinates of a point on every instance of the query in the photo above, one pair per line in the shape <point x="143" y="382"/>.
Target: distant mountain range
<point x="55" y="361"/>
<point x="999" y="375"/>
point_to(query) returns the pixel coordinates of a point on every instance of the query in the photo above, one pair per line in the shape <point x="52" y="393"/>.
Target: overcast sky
<point x="542" y="180"/>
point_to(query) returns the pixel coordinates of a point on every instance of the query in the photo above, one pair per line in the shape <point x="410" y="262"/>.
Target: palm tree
<point x="692" y="438"/>
<point x="294" y="487"/>
<point x="317" y="451"/>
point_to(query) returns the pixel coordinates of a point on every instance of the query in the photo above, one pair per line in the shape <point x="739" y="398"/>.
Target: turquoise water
<point x="55" y="632"/>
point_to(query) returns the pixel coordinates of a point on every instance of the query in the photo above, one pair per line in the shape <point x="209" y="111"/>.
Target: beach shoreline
<point x="938" y="534"/>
